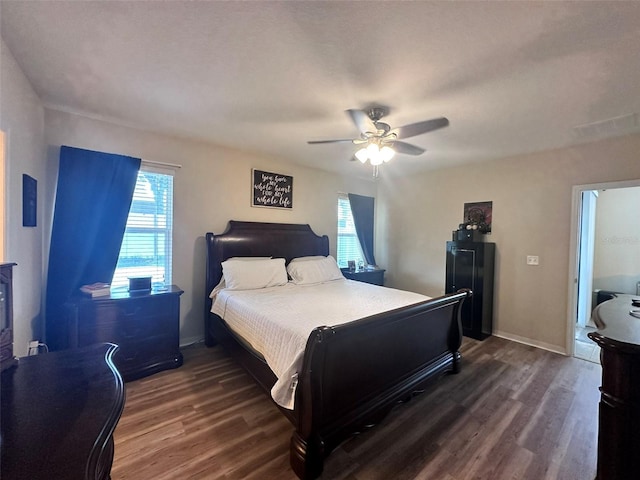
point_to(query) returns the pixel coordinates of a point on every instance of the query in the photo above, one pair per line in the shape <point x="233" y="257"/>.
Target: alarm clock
<point x="139" y="284"/>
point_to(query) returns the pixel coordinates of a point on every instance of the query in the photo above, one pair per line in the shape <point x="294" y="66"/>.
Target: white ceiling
<point x="265" y="77"/>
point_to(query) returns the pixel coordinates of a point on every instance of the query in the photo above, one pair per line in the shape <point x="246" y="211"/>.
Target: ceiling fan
<point x="379" y="141"/>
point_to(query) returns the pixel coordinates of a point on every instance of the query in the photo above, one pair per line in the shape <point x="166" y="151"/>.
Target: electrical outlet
<point x="533" y="260"/>
<point x="33" y="347"/>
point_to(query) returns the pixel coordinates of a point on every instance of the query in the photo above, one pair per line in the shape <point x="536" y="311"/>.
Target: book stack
<point x="96" y="289"/>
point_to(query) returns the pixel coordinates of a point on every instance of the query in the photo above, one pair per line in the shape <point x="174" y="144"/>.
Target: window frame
<point x="352" y="235"/>
<point x="156" y="231"/>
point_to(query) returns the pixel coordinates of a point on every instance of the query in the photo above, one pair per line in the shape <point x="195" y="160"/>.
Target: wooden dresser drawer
<point x="145" y="326"/>
<point x="127" y="319"/>
<point x="146" y="352"/>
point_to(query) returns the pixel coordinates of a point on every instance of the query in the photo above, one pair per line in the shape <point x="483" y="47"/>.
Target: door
<point x="462" y="268"/>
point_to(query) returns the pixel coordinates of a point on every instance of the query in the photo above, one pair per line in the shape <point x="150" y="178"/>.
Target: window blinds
<point x="348" y="245"/>
<point x="147" y="243"/>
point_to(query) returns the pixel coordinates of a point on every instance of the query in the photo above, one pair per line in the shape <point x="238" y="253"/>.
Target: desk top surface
<point x="618" y="322"/>
<point x="58" y="411"/>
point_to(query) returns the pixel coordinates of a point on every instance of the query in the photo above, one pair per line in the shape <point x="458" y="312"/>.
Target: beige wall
<point x="616" y="264"/>
<point x="531" y="198"/>
<point x="415" y="216"/>
<point x="212" y="187"/>
<point x="22" y="120"/>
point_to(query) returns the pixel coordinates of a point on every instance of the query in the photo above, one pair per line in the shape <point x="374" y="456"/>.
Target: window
<point x="146" y="246"/>
<point x="348" y="245"/>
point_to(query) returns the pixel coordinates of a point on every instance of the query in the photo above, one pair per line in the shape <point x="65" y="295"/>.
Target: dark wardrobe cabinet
<point x="471" y="265"/>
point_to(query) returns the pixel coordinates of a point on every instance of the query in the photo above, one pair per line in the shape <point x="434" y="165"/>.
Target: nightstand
<point x="376" y="277"/>
<point x="145" y="325"/>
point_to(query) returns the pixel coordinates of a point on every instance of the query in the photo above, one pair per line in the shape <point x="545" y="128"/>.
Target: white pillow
<point x="323" y="269"/>
<point x="221" y="285"/>
<point x="258" y="273"/>
<point x="217" y="288"/>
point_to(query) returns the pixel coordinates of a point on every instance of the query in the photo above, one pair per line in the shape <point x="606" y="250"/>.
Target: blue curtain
<point x="93" y="198"/>
<point x="362" y="209"/>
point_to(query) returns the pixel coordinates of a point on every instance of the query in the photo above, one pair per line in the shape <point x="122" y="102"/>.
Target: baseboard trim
<point x="185" y="342"/>
<point x="531" y="343"/>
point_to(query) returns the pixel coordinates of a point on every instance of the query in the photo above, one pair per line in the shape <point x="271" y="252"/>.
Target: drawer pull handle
<point x="131" y="313"/>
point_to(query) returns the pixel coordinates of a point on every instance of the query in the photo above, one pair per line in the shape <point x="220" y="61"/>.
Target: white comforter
<point x="277" y="321"/>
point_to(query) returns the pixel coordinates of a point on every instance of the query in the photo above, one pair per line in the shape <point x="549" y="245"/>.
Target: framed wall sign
<point x="29" y="201"/>
<point x="273" y="190"/>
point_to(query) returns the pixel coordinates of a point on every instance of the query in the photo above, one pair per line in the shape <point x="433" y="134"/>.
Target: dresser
<point x="618" y="336"/>
<point x="146" y="327"/>
<point x="58" y="414"/>
<point x="373" y="276"/>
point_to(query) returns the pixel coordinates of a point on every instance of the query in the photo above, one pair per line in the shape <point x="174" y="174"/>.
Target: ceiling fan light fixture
<point x="387" y="153"/>
<point x="375" y="161"/>
<point x="373" y="150"/>
<point x="375" y="154"/>
<point x="362" y="155"/>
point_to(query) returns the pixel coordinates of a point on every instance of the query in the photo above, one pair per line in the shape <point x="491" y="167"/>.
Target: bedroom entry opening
<point x="605" y="254"/>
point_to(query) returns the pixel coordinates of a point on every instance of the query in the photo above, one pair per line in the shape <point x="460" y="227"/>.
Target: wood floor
<point x="514" y="412"/>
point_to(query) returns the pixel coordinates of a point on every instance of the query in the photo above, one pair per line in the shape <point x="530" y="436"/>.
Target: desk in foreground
<point x="59" y="411"/>
<point x="618" y="336"/>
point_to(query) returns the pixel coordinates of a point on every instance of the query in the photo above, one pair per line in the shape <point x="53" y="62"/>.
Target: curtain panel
<point x="93" y="197"/>
<point x="362" y="209"/>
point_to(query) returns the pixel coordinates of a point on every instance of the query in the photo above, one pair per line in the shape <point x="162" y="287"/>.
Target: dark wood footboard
<point x="355" y="373"/>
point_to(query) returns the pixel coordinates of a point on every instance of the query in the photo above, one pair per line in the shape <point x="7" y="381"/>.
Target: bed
<point x="351" y="374"/>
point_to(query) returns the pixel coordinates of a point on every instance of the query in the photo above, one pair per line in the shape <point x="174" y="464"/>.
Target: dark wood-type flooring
<point x="514" y="412"/>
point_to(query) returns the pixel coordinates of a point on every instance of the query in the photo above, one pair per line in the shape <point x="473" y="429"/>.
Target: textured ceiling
<point x="265" y="77"/>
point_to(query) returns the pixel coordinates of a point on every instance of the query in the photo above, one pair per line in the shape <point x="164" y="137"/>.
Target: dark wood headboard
<point x="258" y="239"/>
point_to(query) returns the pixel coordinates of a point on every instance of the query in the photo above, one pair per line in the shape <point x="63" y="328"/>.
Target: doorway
<point x="583" y="286"/>
<point x="583" y="347"/>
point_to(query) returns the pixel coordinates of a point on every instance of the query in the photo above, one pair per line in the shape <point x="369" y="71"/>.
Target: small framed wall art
<point x="479" y="214"/>
<point x="29" y="201"/>
<point x="273" y="190"/>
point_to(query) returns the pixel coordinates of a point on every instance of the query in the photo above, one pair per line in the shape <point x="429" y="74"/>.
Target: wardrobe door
<point x="470" y="265"/>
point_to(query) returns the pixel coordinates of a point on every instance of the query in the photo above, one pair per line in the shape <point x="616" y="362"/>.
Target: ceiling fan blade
<point x="419" y="128"/>
<point x="313" y="142"/>
<point x="362" y="121"/>
<point x="407" y="148"/>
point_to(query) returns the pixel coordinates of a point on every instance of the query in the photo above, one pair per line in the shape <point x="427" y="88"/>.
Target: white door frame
<point x="574" y="249"/>
<point x="587" y="228"/>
